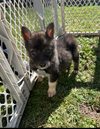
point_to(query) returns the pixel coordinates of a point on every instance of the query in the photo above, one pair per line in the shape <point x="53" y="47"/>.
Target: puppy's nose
<point x="42" y="63"/>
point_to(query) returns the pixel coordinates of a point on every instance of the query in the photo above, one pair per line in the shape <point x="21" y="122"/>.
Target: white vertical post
<point x="39" y="11"/>
<point x="56" y="17"/>
<point x="63" y="16"/>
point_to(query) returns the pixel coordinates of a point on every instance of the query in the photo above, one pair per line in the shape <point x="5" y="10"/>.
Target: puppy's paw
<point x="75" y="71"/>
<point x="40" y="78"/>
<point x="51" y="92"/>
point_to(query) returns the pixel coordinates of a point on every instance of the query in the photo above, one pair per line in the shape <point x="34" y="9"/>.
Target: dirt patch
<point x="87" y="110"/>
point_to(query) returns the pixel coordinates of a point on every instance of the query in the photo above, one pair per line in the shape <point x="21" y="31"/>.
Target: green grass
<point x="81" y="19"/>
<point x="62" y="110"/>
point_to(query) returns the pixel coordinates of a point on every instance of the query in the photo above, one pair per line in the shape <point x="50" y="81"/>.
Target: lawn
<point x="77" y="101"/>
<point x="81" y="19"/>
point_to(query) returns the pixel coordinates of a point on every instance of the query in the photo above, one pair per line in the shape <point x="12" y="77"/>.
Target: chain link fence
<point x="79" y="16"/>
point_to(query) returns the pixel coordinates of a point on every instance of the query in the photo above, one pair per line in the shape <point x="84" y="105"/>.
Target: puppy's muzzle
<point x="42" y="64"/>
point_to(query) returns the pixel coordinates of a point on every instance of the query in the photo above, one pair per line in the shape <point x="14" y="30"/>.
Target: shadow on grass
<point x="40" y="107"/>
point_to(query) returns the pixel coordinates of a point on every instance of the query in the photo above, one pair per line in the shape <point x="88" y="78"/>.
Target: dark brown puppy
<point x="52" y="56"/>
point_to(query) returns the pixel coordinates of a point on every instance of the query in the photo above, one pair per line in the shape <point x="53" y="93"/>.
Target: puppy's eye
<point x="48" y="51"/>
<point x="33" y="53"/>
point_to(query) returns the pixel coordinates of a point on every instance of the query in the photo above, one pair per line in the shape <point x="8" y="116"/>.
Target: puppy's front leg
<point x="40" y="78"/>
<point x="52" y="88"/>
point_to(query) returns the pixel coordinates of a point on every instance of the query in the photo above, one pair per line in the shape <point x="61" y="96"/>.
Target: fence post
<point x="39" y="11"/>
<point x="57" y="25"/>
<point x="63" y="16"/>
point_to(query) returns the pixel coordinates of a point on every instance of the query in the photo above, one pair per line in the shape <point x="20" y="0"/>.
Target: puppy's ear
<point x="26" y="33"/>
<point x="50" y="30"/>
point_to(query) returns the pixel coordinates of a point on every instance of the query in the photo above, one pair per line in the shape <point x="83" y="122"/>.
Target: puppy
<point x="52" y="56"/>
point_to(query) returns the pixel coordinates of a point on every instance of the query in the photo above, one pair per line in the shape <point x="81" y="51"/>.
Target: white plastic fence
<point x="16" y="80"/>
<point x="79" y="16"/>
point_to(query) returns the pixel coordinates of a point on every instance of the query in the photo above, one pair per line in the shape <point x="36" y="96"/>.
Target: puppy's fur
<point x="52" y="56"/>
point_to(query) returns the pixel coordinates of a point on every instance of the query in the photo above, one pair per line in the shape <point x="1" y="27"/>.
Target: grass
<point x="81" y="19"/>
<point x="62" y="110"/>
